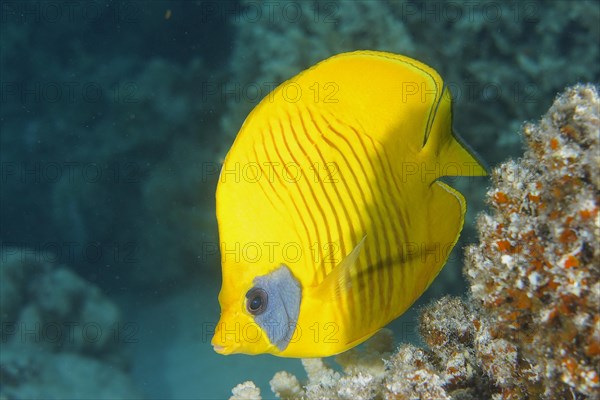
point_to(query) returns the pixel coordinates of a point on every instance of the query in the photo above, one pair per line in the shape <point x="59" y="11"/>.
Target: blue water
<point x="115" y="117"/>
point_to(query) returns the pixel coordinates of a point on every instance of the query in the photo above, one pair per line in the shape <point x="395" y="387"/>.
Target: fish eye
<point x="256" y="301"/>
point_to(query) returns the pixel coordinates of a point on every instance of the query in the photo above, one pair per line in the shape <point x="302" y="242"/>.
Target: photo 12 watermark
<point x="70" y="11"/>
<point x="316" y="253"/>
<point x="71" y="252"/>
<point x="68" y="332"/>
<point x="72" y="172"/>
<point x="270" y="12"/>
<point x="68" y="92"/>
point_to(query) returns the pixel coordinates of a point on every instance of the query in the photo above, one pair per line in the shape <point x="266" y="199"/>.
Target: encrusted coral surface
<point x="530" y="327"/>
<point x="535" y="272"/>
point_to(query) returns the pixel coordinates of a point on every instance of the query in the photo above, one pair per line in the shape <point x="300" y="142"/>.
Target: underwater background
<point x="115" y="117"/>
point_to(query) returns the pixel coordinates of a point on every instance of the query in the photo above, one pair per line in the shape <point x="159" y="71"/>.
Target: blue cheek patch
<point x="284" y="296"/>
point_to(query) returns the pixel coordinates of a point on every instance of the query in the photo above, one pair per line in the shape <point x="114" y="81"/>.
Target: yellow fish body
<point x="331" y="219"/>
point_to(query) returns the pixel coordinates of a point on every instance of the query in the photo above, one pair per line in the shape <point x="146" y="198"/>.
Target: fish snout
<point x="220" y="349"/>
<point x="238" y="333"/>
<point x="227" y="337"/>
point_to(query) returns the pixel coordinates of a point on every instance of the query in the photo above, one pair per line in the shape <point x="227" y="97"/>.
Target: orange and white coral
<point x="536" y="271"/>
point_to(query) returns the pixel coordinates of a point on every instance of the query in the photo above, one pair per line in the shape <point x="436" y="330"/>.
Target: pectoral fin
<point x="340" y="278"/>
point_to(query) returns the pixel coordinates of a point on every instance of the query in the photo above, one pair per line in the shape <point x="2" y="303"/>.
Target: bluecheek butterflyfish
<point x="332" y="218"/>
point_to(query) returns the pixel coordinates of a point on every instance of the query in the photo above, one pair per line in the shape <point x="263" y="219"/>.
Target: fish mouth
<point x="227" y="337"/>
<point x="223" y="350"/>
<point x="219" y="349"/>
